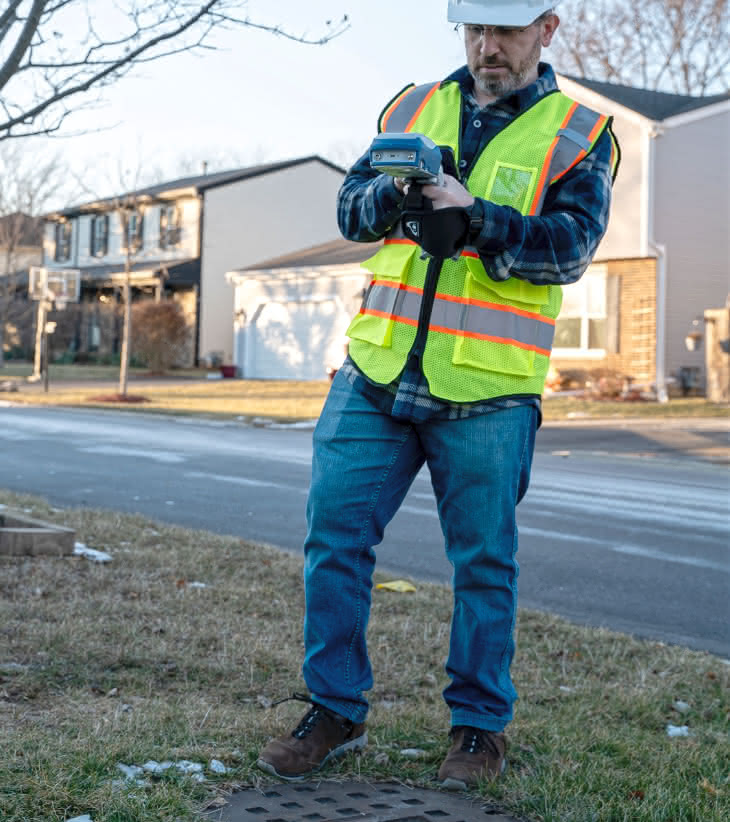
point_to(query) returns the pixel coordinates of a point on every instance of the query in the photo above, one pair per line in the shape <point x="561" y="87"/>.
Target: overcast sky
<point x="260" y="98"/>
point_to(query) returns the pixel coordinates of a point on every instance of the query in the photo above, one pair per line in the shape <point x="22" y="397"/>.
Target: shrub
<point x="159" y="334"/>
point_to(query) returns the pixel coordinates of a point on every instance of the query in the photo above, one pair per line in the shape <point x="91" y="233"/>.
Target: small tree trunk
<point x="38" y="353"/>
<point x="127" y="328"/>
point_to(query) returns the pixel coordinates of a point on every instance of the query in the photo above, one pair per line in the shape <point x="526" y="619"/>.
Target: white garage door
<point x="288" y="340"/>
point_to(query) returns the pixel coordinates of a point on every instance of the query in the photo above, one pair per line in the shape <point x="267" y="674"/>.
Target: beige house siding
<point x="187" y="248"/>
<point x="257" y="219"/>
<point x="692" y="219"/>
<point x="625" y="236"/>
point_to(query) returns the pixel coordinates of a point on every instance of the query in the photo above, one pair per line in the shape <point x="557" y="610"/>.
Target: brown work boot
<point x="475" y="755"/>
<point x="320" y="736"/>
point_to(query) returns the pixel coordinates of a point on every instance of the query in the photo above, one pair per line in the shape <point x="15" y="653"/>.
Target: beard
<point x="514" y="78"/>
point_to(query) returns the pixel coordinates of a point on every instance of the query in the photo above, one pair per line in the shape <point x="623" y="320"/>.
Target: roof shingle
<point x="656" y="105"/>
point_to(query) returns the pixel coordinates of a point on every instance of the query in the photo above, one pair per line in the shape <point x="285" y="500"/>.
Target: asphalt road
<point x="625" y="525"/>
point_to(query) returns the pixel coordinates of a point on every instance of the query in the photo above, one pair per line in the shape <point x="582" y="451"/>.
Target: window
<point x="170" y="227"/>
<point x="62" y="250"/>
<point x="135" y="231"/>
<point x="99" y="242"/>
<point x="582" y="325"/>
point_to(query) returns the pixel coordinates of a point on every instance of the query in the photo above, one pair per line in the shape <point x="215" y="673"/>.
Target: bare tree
<point x="27" y="184"/>
<point x="678" y="46"/>
<point x="53" y="52"/>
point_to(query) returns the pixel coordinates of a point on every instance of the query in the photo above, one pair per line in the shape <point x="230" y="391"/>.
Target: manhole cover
<point x="350" y="801"/>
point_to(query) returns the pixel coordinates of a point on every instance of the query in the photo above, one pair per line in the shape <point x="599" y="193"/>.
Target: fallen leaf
<point x="706" y="785"/>
<point x="218" y="802"/>
<point x="636" y="794"/>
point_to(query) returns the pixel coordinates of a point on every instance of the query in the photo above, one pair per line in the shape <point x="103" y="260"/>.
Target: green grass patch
<point x="283" y="400"/>
<point x="126" y="662"/>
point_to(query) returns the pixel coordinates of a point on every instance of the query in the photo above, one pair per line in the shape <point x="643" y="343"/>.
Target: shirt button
<point x="477" y="123"/>
<point x="462" y="163"/>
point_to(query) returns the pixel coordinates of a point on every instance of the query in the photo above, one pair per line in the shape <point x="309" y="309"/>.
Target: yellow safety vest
<point x="479" y="338"/>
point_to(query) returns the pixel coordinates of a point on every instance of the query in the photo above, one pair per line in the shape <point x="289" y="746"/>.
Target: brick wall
<point x="635" y="354"/>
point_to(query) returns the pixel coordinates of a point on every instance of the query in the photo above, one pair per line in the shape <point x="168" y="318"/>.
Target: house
<point x="663" y="261"/>
<point x="291" y="313"/>
<point x="21" y="240"/>
<point x="186" y="234"/>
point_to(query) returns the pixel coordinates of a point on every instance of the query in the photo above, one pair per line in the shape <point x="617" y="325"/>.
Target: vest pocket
<point x="391" y="264"/>
<point x="479" y="285"/>
<point x="493" y="337"/>
<point x="512" y="185"/>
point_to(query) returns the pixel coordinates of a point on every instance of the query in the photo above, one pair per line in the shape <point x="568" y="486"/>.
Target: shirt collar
<point x="516" y="101"/>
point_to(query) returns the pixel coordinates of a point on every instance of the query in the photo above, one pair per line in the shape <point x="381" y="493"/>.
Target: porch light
<point x="693" y="340"/>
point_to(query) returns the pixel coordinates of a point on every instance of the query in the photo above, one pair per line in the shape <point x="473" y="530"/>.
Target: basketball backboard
<point x="62" y="285"/>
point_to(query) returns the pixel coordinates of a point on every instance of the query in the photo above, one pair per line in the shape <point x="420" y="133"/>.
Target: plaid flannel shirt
<point x="554" y="248"/>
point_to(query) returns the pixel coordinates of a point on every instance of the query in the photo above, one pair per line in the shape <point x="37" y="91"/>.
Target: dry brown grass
<point x="127" y="662"/>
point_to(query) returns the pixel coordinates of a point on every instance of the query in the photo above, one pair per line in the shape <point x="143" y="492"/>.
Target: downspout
<point x="659" y="251"/>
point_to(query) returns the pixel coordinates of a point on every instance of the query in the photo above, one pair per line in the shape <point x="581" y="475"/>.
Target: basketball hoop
<point x="59" y="286"/>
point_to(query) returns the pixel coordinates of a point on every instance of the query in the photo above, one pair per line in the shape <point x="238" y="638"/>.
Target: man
<point x="446" y="366"/>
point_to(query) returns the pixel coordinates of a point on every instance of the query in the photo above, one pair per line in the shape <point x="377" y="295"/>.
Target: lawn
<point x="134" y="660"/>
<point x="191" y="392"/>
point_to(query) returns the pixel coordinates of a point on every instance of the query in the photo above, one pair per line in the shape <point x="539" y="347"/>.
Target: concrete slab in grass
<point x="24" y="536"/>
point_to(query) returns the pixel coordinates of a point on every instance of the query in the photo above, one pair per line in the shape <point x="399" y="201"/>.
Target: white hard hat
<point x="498" y="12"/>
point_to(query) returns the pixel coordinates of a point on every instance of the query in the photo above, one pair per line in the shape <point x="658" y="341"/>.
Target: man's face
<point x="503" y="59"/>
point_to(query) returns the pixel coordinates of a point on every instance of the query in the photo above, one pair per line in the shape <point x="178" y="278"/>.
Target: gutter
<point x="659" y="252"/>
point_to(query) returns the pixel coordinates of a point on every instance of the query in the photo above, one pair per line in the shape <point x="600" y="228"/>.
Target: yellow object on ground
<point x="400" y="586"/>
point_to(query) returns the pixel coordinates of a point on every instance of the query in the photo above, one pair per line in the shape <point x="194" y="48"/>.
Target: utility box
<point x="717" y="353"/>
<point x="22" y="536"/>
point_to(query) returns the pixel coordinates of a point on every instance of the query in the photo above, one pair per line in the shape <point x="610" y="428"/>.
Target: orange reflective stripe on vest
<point x="462" y="316"/>
<point x="403" y="112"/>
<point x="572" y="143"/>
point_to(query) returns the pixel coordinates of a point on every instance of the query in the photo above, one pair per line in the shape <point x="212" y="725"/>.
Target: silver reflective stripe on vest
<point x="402" y="115"/>
<point x="482" y="321"/>
<point x="573" y="141"/>
<point x="460" y="317"/>
<point x="392" y="300"/>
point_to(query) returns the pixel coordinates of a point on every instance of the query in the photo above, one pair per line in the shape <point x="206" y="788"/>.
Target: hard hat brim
<point x="498" y="13"/>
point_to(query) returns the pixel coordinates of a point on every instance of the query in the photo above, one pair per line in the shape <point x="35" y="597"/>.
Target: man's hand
<point x="451" y="193"/>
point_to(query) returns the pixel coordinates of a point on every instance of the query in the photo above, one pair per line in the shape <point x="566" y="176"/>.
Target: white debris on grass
<point x="131" y="772"/>
<point x="566" y="690"/>
<point x="157" y="767"/>
<point x="81" y="550"/>
<point x="413" y="753"/>
<point x="186" y="766"/>
<point x="193" y="770"/>
<point x="197" y="585"/>
<point x="84" y="818"/>
<point x="677" y="730"/>
<point x="681" y="707"/>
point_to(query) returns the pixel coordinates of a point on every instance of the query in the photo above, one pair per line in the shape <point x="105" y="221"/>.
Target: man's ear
<point x="548" y="28"/>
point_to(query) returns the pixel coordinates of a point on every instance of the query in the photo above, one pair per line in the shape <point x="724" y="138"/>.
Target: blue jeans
<point x="364" y="463"/>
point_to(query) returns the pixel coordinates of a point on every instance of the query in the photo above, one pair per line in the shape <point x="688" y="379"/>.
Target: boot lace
<point x="477" y="740"/>
<point x="313" y="715"/>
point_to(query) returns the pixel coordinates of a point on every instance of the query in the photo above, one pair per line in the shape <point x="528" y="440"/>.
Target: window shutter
<point x="106" y="235"/>
<point x="613" y="313"/>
